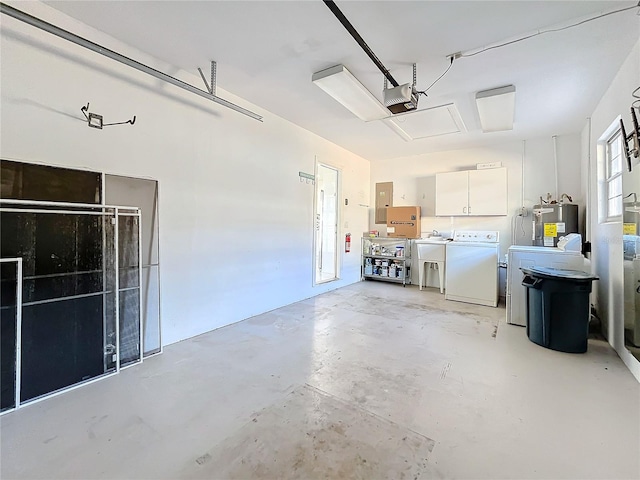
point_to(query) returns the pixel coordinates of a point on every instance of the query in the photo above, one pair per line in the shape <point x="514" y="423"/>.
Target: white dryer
<point x="529" y="256"/>
<point x="472" y="267"/>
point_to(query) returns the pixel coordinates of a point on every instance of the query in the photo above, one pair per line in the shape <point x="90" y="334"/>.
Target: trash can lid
<point x="559" y="273"/>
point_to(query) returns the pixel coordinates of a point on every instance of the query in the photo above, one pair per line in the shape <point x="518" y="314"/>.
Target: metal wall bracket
<point x="415" y="77"/>
<point x="212" y="88"/>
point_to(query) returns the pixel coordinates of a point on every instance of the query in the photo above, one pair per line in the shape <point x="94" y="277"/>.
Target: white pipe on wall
<point x="555" y="164"/>
<point x="587" y="229"/>
<point x="524" y="146"/>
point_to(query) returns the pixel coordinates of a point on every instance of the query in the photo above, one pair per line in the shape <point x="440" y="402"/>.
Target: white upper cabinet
<point x="472" y="192"/>
<point x="488" y="191"/>
<point x="452" y="193"/>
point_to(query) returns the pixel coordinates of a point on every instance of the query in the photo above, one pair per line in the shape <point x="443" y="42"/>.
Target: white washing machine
<point x="567" y="256"/>
<point x="472" y="267"/>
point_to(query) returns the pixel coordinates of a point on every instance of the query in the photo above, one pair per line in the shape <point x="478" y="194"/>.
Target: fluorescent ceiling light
<point x="496" y="108"/>
<point x="429" y="122"/>
<point x="345" y="88"/>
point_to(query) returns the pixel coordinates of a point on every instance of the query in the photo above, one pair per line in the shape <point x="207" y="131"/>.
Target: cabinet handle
<point x="469" y="210"/>
<point x="464" y="209"/>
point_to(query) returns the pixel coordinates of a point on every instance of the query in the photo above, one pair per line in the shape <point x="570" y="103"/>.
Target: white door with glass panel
<point x="326" y="224"/>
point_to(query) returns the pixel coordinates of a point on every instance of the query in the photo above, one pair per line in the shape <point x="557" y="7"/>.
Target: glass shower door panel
<point x="143" y="193"/>
<point x="8" y="334"/>
<point x="129" y="288"/>
<point x="61" y="345"/>
<point x="68" y="307"/>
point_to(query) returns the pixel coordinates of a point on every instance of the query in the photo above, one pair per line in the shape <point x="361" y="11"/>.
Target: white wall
<point x="414" y="184"/>
<point x="236" y="223"/>
<point x="607" y="259"/>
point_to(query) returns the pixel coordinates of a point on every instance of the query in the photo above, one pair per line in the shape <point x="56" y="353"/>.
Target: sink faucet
<point x="434" y="233"/>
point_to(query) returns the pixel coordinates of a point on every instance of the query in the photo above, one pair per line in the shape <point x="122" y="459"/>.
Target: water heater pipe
<point x="589" y="175"/>
<point x="524" y="146"/>
<point x="555" y="163"/>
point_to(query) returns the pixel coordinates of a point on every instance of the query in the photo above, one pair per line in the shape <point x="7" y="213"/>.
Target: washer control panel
<point x="477" y="236"/>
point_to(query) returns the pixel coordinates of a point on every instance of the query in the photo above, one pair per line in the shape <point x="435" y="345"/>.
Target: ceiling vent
<point x="430" y="122"/>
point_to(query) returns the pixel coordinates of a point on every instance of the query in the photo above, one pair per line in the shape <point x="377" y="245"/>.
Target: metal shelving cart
<point x="387" y="259"/>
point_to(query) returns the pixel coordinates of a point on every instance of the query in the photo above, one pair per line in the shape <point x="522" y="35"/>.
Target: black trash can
<point x="558" y="308"/>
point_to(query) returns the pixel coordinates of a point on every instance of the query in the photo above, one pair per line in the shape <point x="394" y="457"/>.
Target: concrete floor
<point x="369" y="381"/>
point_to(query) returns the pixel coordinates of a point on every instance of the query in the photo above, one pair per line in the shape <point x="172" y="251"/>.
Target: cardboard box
<point x="403" y="222"/>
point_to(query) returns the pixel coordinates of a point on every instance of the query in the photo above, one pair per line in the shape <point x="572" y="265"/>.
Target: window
<point x="613" y="176"/>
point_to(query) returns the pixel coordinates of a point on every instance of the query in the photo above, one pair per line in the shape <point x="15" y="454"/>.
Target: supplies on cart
<point x="393" y="270"/>
<point x="368" y="266"/>
<point x="384" y="251"/>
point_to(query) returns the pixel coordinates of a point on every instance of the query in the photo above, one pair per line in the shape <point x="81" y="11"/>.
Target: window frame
<point x="612" y="178"/>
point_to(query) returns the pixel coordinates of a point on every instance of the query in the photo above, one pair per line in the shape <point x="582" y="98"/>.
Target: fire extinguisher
<point x="347" y="243"/>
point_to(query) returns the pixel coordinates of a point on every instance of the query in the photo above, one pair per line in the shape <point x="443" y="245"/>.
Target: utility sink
<point x="431" y="250"/>
<point x="436" y="240"/>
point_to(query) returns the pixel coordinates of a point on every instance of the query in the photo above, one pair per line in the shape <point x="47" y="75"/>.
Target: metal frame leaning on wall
<point x="46" y="207"/>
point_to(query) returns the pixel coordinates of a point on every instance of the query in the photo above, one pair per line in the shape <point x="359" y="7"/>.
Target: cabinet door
<point x="452" y="193"/>
<point x="488" y="191"/>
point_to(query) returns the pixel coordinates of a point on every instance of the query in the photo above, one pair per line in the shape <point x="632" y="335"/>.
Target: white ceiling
<point x="267" y="51"/>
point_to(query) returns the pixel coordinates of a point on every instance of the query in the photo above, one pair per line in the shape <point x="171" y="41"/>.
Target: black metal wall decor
<point x="95" y="121"/>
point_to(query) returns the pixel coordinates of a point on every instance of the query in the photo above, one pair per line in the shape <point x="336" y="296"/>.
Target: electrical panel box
<point x="384" y="199"/>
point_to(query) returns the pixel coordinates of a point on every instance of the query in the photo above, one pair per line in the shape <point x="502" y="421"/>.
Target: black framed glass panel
<point x="68" y="308"/>
<point x="27" y="181"/>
